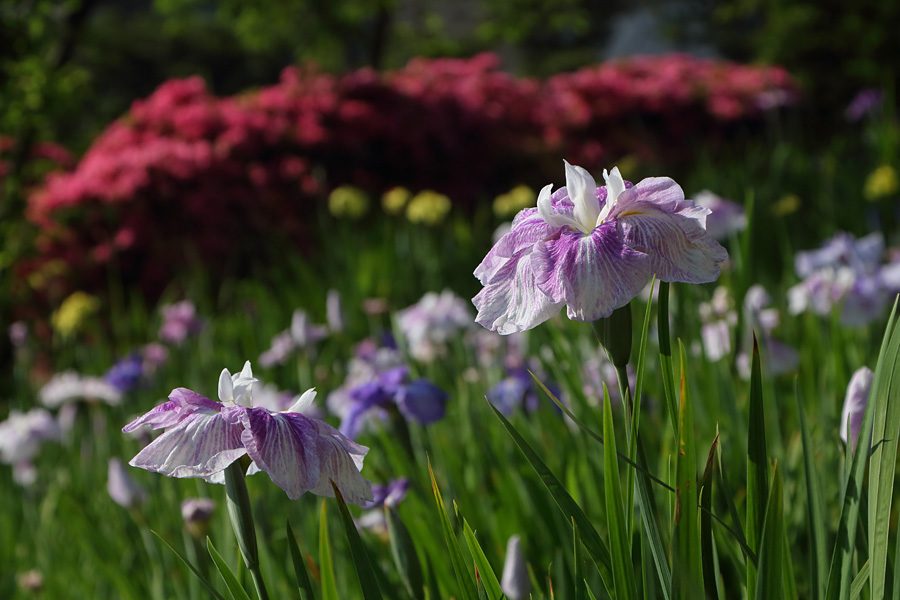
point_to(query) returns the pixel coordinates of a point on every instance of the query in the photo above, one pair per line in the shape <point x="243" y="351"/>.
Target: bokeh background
<point x="187" y="184"/>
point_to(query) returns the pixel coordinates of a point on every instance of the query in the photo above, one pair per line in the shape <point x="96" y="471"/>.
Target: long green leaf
<point x="403" y="551"/>
<point x="860" y="581"/>
<point x="488" y="578"/>
<point x="707" y="553"/>
<point x="814" y="507"/>
<point x="231" y="582"/>
<point x="303" y="584"/>
<point x="842" y="556"/>
<point x="645" y="493"/>
<point x="203" y="580"/>
<point x="769" y="583"/>
<point x="619" y="537"/>
<point x="358" y="551"/>
<point x="589" y="536"/>
<point x="736" y="530"/>
<point x="463" y="578"/>
<point x="885" y="394"/>
<point x="581" y="592"/>
<point x="687" y="579"/>
<point x="757" y="467"/>
<point x="326" y="568"/>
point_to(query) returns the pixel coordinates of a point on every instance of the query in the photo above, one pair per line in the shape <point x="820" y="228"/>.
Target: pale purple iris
<point x="126" y="374"/>
<point x="125" y="491"/>
<point x="418" y="400"/>
<point x="180" y="321"/>
<point x="21" y="436"/>
<point x="855" y="404"/>
<point x="432" y="323"/>
<point x="726" y="217"/>
<point x="593" y="249"/>
<point x="302" y="335"/>
<point x="845" y="273"/>
<point x="865" y="102"/>
<point x="388" y="495"/>
<point x="517" y="391"/>
<point x="203" y="437"/>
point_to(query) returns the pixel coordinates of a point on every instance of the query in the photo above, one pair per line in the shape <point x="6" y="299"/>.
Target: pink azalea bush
<point x="187" y="173"/>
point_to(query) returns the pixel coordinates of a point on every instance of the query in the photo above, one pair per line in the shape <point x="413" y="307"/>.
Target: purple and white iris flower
<point x="592" y="249"/>
<point x="432" y="323"/>
<point x="518" y="391"/>
<point x="386" y="496"/>
<point x="418" y="400"/>
<point x="845" y="273"/>
<point x="302" y="335"/>
<point x="203" y="437"/>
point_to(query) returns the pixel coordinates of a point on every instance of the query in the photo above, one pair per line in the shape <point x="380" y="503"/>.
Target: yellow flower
<point x="786" y="205"/>
<point x="394" y="200"/>
<point x="428" y="207"/>
<point x="882" y="182"/>
<point x="348" y="201"/>
<point x="70" y="315"/>
<point x="508" y="204"/>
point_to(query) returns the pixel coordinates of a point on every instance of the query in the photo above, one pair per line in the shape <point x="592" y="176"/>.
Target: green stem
<point x="242" y="521"/>
<point x="630" y="438"/>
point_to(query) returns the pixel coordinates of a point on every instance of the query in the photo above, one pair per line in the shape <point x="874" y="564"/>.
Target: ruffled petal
<point x="511" y="301"/>
<point x="580" y="188"/>
<point x="182" y="403"/>
<point x="200" y="445"/>
<point x="341" y="460"/>
<point x="592" y="274"/>
<point x="284" y="446"/>
<point x="528" y="227"/>
<point x="654" y="218"/>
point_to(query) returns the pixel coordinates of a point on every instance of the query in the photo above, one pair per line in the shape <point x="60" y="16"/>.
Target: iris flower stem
<point x="242" y="521"/>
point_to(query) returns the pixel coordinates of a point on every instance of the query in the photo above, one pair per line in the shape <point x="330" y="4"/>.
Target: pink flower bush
<point x="186" y="173"/>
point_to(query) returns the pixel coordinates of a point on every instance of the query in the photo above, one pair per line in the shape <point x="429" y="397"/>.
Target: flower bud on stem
<point x="242" y="521"/>
<point x="614" y="334"/>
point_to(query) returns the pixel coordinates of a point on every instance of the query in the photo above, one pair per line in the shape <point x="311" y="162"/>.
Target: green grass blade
<point x="231" y="582"/>
<point x="479" y="584"/>
<point x="687" y="577"/>
<point x="814" y="508"/>
<point x="358" y="551"/>
<point x="203" y="580"/>
<point x="860" y="581"/>
<point x="589" y="536"/>
<point x="619" y="536"/>
<point x="842" y="556"/>
<point x="488" y="578"/>
<point x="736" y="529"/>
<point x="883" y="460"/>
<point x="790" y="581"/>
<point x="303" y="583"/>
<point x="757" y="467"/>
<point x="707" y="553"/>
<point x="403" y="551"/>
<point x="645" y="493"/>
<point x="581" y="592"/>
<point x="665" y="354"/>
<point x="463" y="578"/>
<point x="769" y="582"/>
<point x="326" y="568"/>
